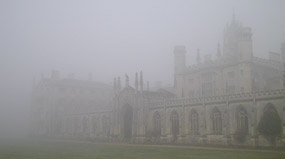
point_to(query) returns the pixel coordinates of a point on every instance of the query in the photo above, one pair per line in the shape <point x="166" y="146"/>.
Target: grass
<point x="71" y="150"/>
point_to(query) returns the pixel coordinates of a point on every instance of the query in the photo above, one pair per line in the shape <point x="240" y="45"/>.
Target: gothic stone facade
<point x="216" y="101"/>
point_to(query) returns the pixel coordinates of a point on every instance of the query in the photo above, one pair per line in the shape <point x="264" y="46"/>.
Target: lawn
<point x="72" y="150"/>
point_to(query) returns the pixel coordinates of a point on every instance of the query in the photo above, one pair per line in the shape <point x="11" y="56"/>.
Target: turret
<point x="198" y="58"/>
<point x="238" y="41"/>
<point x="245" y="44"/>
<point x="141" y="81"/>
<point x="137" y="82"/>
<point x="115" y="84"/>
<point x="219" y="53"/>
<point x="179" y="59"/>
<point x="119" y="84"/>
<point x="127" y="81"/>
<point x="283" y="52"/>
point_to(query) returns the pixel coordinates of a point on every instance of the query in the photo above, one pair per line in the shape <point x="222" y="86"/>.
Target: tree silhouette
<point x="270" y="124"/>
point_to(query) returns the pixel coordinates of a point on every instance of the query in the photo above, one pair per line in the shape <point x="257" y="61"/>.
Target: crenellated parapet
<point x="268" y="63"/>
<point x="211" y="64"/>
<point x="220" y="99"/>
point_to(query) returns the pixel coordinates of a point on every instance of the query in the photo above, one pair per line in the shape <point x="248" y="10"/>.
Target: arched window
<point x="59" y="124"/>
<point x="94" y="124"/>
<point x="106" y="125"/>
<point x="68" y="125"/>
<point x="242" y="120"/>
<point x="194" y="121"/>
<point x="84" y="124"/>
<point x="174" y="119"/>
<point x="156" y="124"/>
<point x="217" y="121"/>
<point x="75" y="125"/>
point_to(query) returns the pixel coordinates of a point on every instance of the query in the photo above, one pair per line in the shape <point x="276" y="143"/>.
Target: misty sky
<point x="111" y="38"/>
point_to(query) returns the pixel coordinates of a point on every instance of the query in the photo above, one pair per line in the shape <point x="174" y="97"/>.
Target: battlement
<point x="221" y="99"/>
<point x="268" y="63"/>
<point x="211" y="64"/>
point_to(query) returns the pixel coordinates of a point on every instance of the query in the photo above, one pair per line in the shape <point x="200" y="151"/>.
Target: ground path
<point x="177" y="146"/>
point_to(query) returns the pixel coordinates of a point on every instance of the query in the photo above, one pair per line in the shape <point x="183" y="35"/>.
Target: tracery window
<point x="75" y="124"/>
<point x="94" y="124"/>
<point x="156" y="124"/>
<point x="242" y="120"/>
<point x="106" y="125"/>
<point x="217" y="121"/>
<point x="68" y="125"/>
<point x="194" y="121"/>
<point x="174" y="118"/>
<point x="84" y="124"/>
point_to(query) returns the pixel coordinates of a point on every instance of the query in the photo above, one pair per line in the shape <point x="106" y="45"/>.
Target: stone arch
<point x="106" y="125"/>
<point x="68" y="125"/>
<point x="156" y="124"/>
<point x="216" y="120"/>
<point x="94" y="124"/>
<point x="194" y="121"/>
<point x="75" y="125"/>
<point x="174" y="120"/>
<point x="127" y="120"/>
<point x="84" y="124"/>
<point x="59" y="121"/>
<point x="242" y="119"/>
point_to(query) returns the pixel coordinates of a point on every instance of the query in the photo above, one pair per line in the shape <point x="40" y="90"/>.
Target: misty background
<point x="111" y="38"/>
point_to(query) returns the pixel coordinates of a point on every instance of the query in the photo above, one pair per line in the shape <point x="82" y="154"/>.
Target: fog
<point x="111" y="38"/>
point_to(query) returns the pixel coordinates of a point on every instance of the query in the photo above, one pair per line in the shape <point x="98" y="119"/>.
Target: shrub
<point x="270" y="125"/>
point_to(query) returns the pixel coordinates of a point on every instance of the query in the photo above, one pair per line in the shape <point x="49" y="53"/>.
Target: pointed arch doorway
<point x="127" y="121"/>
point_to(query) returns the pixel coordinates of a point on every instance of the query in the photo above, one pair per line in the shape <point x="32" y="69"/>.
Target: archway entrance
<point x="127" y="121"/>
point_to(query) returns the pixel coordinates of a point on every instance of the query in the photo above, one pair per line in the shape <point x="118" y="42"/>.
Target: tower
<point x="179" y="59"/>
<point x="137" y="82"/>
<point x="245" y="44"/>
<point x="179" y="66"/>
<point x="198" y="58"/>
<point x="231" y="34"/>
<point x="238" y="41"/>
<point x="219" y="54"/>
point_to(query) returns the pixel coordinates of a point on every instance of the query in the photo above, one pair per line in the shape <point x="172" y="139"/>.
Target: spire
<point x="141" y="81"/>
<point x="137" y="82"/>
<point x="115" y="83"/>
<point x="219" y="54"/>
<point x="147" y="86"/>
<point x="127" y="80"/>
<point x="119" y="83"/>
<point x="198" y="56"/>
<point x="234" y="21"/>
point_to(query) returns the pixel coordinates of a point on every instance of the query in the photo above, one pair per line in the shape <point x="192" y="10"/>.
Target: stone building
<point x="219" y="101"/>
<point x="235" y="70"/>
<point x="58" y="105"/>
